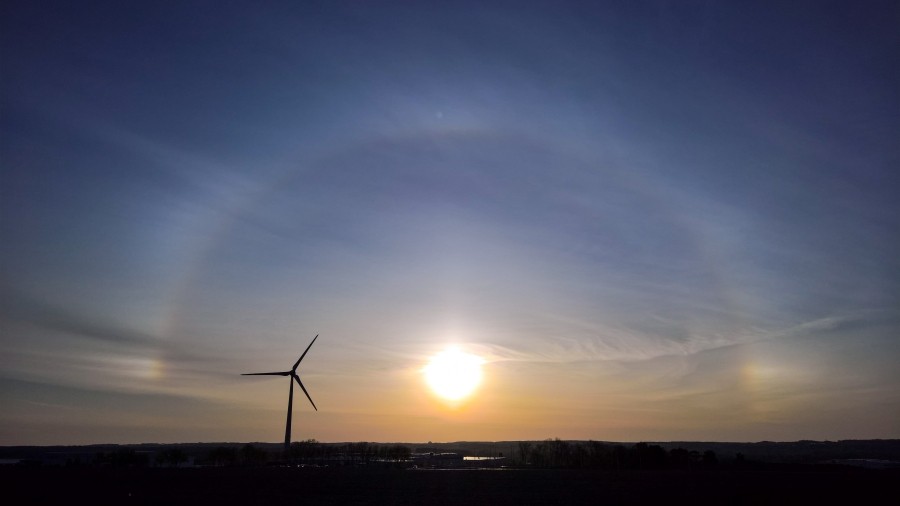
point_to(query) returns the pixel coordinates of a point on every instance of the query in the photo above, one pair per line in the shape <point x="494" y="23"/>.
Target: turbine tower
<point x="294" y="377"/>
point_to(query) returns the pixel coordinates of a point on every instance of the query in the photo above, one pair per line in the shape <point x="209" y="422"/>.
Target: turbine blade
<point x="304" y="353"/>
<point x="307" y="393"/>
<point x="280" y="373"/>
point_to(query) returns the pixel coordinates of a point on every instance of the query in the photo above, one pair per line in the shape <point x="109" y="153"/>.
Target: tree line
<point x="311" y="451"/>
<point x="549" y="453"/>
<point x="555" y="453"/>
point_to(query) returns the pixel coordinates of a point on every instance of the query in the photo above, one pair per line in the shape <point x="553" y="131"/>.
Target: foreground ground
<point x="272" y="486"/>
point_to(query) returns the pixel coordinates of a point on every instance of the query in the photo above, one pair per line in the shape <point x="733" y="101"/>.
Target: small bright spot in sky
<point x="453" y="374"/>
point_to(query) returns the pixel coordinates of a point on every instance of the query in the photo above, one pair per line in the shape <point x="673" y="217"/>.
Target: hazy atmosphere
<point x="639" y="220"/>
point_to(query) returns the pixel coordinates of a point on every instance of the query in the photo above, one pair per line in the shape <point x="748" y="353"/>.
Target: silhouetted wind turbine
<point x="293" y="374"/>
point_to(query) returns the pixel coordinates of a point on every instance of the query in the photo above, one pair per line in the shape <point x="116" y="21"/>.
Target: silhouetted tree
<point x="679" y="458"/>
<point x="361" y="451"/>
<point x="524" y="452"/>
<point x="122" y="457"/>
<point x="223" y="456"/>
<point x="599" y="455"/>
<point x="253" y="456"/>
<point x="172" y="457"/>
<point x="696" y="458"/>
<point x="397" y="452"/>
<point x="306" y="451"/>
<point x="578" y="456"/>
<point x="559" y="452"/>
<point x="709" y="459"/>
<point x="540" y="454"/>
<point x="619" y="457"/>
<point x="644" y="456"/>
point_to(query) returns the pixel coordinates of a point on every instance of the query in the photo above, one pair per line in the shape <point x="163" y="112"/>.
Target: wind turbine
<point x="294" y="377"/>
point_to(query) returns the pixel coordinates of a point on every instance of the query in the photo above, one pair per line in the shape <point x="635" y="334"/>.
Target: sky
<point x="650" y="221"/>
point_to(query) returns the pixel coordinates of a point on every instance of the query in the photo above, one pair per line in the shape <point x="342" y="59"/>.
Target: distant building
<point x="447" y="460"/>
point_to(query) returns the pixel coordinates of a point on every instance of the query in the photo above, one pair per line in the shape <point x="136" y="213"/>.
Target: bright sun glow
<point x="452" y="374"/>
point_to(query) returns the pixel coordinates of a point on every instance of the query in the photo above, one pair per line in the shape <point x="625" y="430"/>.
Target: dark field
<point x="348" y="485"/>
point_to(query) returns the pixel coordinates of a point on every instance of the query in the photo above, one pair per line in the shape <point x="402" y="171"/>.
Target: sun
<point x="453" y="375"/>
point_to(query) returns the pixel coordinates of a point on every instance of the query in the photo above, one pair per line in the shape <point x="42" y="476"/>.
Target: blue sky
<point x="653" y="220"/>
